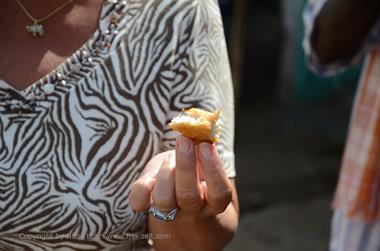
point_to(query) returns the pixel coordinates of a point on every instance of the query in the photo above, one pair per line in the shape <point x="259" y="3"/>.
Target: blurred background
<point x="290" y="128"/>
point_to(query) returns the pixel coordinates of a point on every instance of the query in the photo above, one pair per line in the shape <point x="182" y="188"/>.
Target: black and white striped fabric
<point x="72" y="143"/>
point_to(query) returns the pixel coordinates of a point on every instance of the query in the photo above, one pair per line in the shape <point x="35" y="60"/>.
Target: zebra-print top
<point x="72" y="143"/>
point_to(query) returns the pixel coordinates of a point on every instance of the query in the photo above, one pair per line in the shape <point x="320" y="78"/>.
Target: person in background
<point x="339" y="34"/>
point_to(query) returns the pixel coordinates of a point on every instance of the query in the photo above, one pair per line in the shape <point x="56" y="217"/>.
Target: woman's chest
<point x="84" y="125"/>
<point x="76" y="155"/>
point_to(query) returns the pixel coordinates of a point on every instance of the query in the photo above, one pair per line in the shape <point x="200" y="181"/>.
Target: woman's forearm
<point x="342" y="26"/>
<point x="211" y="234"/>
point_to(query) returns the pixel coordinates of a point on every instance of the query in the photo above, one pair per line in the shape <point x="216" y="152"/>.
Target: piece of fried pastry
<point x="198" y="124"/>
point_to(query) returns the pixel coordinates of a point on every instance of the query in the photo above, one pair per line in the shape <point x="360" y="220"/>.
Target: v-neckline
<point x="66" y="62"/>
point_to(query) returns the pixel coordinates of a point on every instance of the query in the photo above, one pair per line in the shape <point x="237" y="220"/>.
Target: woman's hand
<point x="190" y="178"/>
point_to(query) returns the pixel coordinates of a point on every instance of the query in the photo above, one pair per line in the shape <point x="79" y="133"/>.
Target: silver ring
<point x="155" y="212"/>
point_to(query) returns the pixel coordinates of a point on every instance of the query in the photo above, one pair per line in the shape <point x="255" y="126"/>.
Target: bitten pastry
<point x="198" y="124"/>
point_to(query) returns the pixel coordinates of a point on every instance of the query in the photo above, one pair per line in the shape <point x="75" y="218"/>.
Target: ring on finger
<point x="163" y="216"/>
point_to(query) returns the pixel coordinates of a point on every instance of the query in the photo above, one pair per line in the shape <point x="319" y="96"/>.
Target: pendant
<point x="36" y="29"/>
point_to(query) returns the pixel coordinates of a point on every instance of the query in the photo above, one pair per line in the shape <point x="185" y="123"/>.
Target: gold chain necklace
<point x="36" y="28"/>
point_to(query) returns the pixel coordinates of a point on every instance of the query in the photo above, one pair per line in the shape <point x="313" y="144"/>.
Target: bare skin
<point x="192" y="179"/>
<point x="342" y="26"/>
<point x="66" y="31"/>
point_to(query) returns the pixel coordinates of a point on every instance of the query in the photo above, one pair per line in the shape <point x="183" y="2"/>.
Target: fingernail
<point x="184" y="145"/>
<point x="165" y="161"/>
<point x="168" y="161"/>
<point x="205" y="150"/>
<point x="171" y="162"/>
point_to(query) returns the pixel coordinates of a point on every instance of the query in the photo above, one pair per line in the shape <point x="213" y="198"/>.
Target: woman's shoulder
<point x="162" y="12"/>
<point x="188" y="9"/>
<point x="174" y="4"/>
<point x="147" y="17"/>
<point x="169" y="5"/>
